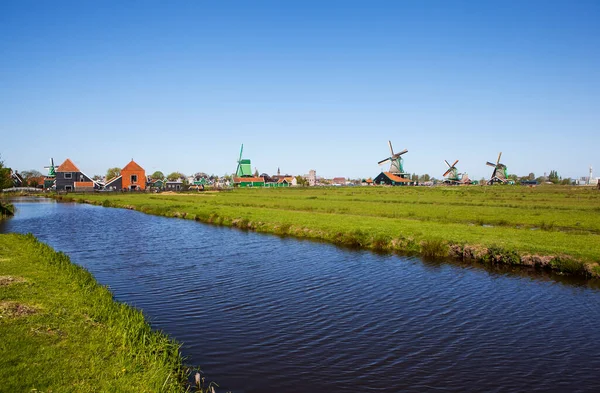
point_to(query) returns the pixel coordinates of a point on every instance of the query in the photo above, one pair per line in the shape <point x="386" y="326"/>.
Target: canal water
<point x="262" y="313"/>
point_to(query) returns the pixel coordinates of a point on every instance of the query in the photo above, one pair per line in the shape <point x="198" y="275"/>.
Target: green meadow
<point x="555" y="227"/>
<point x="63" y="332"/>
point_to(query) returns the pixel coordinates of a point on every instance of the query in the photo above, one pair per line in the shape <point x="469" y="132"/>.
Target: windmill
<point x="51" y="168"/>
<point x="395" y="161"/>
<point x="244" y="168"/>
<point x="50" y="179"/>
<point x="452" y="175"/>
<point x="500" y="173"/>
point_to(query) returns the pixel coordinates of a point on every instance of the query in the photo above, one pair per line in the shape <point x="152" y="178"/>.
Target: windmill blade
<point x="384" y="161"/>
<point x="490" y="164"/>
<point x="448" y="171"/>
<point x="391" y="149"/>
<point x="499" y="155"/>
<point x="447" y="163"/>
<point x="402" y="152"/>
<point x="455" y="162"/>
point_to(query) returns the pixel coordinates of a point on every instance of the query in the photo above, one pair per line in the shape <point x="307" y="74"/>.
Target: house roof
<point x="248" y="179"/>
<point x="132" y="166"/>
<point x="287" y="179"/>
<point x="397" y="178"/>
<point x="67" y="166"/>
<point x="114" y="179"/>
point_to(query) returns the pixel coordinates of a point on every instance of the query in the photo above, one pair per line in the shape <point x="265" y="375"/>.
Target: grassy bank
<point x="6" y="209"/>
<point x="551" y="227"/>
<point x="63" y="332"/>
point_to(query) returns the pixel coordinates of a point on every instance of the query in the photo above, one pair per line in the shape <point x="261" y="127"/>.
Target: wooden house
<point x="114" y="184"/>
<point x="248" y="181"/>
<point x="155" y="183"/>
<point x="174" y="185"/>
<point x="286" y="181"/>
<point x="71" y="178"/>
<point x="391" y="179"/>
<point x="17" y="179"/>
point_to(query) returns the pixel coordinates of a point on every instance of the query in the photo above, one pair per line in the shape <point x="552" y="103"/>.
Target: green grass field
<point x="552" y="226"/>
<point x="62" y="332"/>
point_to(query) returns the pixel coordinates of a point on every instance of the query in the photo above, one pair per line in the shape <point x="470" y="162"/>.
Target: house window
<point x="68" y="188"/>
<point x="134" y="178"/>
<point x="68" y="175"/>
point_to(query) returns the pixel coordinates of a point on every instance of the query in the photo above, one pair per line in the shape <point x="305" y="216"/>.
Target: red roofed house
<point x="132" y="177"/>
<point x="392" y="179"/>
<point x="247" y="181"/>
<point x="70" y="178"/>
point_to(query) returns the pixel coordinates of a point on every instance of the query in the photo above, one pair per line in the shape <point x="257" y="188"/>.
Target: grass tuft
<point x="434" y="248"/>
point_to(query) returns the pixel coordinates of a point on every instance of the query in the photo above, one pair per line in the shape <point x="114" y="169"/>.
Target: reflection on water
<point x="264" y="313"/>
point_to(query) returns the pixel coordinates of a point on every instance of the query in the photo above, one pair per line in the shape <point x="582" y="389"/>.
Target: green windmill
<point x="50" y="178"/>
<point x="500" y="173"/>
<point x="244" y="167"/>
<point x="51" y="169"/>
<point x="395" y="161"/>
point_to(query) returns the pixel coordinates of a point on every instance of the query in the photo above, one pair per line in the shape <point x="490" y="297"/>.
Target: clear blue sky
<point x="179" y="86"/>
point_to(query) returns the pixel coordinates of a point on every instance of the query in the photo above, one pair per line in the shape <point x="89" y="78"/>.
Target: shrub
<point x="568" y="265"/>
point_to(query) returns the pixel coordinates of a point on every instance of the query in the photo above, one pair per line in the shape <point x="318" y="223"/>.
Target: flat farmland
<point x="551" y="226"/>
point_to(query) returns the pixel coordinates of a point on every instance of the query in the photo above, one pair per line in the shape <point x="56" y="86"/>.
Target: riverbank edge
<point x="6" y="210"/>
<point x="432" y="248"/>
<point x="121" y="328"/>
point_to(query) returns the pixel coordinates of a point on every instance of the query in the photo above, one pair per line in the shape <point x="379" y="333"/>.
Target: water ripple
<point x="266" y="313"/>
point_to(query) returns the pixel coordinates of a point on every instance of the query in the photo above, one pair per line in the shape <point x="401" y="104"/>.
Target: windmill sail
<point x="395" y="160"/>
<point x="499" y="175"/>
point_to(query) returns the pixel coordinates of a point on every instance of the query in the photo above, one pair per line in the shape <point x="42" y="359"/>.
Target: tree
<point x="112" y="173"/>
<point x="5" y="178"/>
<point x="531" y="176"/>
<point x="32" y="178"/>
<point x="301" y="181"/>
<point x="158" y="175"/>
<point x="553" y="177"/>
<point x="175" y="175"/>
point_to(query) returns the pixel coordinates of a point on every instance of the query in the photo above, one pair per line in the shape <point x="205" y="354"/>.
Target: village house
<point x="248" y="181"/>
<point x="132" y="177"/>
<point x="71" y="178"/>
<point x="391" y="179"/>
<point x="174" y="185"/>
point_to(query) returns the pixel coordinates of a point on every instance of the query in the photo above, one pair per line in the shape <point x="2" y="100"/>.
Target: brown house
<point x="133" y="177"/>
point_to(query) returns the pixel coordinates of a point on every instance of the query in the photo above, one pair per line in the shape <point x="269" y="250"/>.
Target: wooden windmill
<point x="51" y="168"/>
<point x="244" y="167"/>
<point x="452" y="175"/>
<point x="395" y="160"/>
<point x="50" y="179"/>
<point x="500" y="173"/>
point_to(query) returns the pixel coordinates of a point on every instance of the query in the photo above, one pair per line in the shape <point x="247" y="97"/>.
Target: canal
<point x="262" y="313"/>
